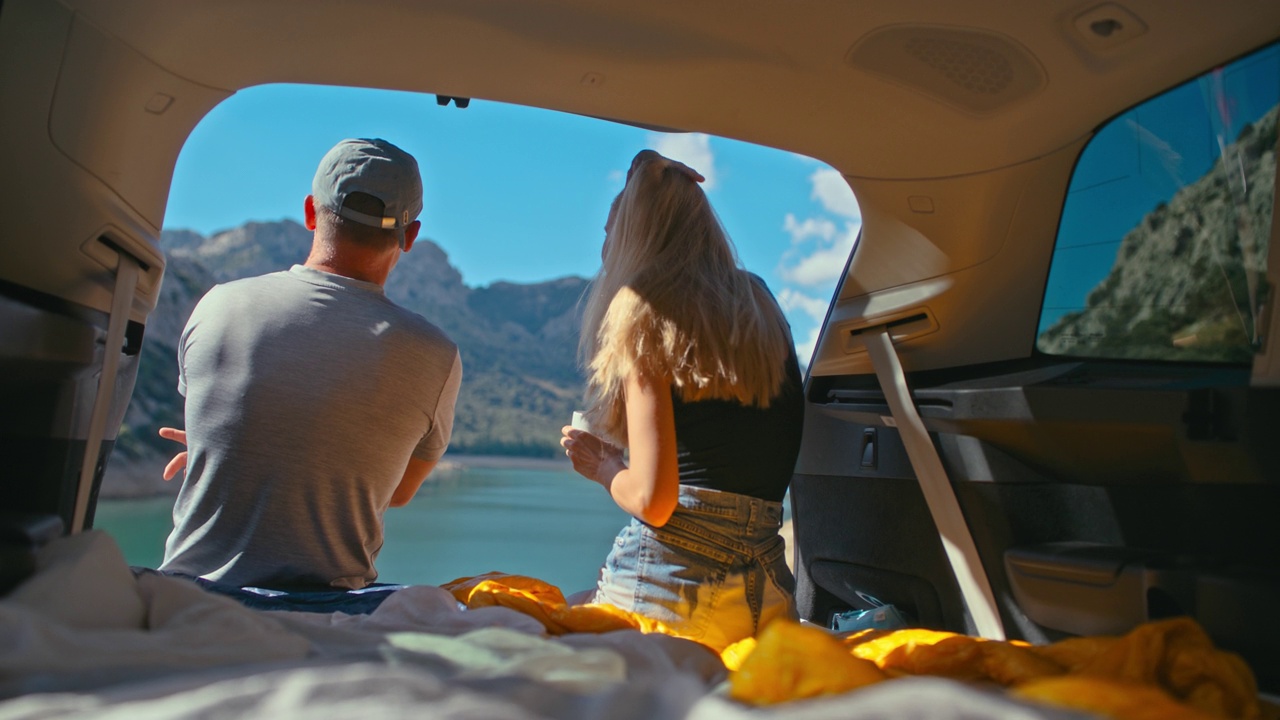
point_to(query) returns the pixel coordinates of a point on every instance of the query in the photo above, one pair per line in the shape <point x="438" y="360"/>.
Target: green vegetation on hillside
<point x="1190" y="279"/>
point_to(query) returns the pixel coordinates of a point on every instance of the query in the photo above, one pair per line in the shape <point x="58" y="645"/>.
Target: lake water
<point x="549" y="524"/>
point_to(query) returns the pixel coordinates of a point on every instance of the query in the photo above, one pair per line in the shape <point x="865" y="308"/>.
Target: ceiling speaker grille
<point x="972" y="67"/>
<point x="974" y="70"/>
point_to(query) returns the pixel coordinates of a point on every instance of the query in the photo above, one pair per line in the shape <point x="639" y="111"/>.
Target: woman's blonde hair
<point x="671" y="302"/>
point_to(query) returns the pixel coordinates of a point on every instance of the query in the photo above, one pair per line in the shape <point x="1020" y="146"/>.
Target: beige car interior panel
<point x="938" y="226"/>
<point x="901" y="327"/>
<point x="79" y="82"/>
<point x="969" y="259"/>
<point x="775" y="74"/>
<point x="120" y="116"/>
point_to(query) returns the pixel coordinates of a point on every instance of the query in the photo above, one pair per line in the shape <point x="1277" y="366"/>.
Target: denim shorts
<point x="716" y="572"/>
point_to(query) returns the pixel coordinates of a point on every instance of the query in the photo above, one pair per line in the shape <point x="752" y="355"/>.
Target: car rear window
<point x="1162" y="248"/>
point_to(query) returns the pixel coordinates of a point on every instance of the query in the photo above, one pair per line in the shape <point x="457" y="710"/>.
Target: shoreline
<point x="452" y="462"/>
<point x="141" y="479"/>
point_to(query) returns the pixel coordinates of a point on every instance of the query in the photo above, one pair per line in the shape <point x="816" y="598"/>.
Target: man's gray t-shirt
<point x="306" y="395"/>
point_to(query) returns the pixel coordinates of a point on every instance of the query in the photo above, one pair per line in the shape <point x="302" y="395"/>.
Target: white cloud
<point x="812" y="227"/>
<point x="816" y="257"/>
<point x="805" y="348"/>
<point x="794" y="300"/>
<point x="805" y="315"/>
<point x="692" y="149"/>
<point x="823" y="266"/>
<point x="830" y="189"/>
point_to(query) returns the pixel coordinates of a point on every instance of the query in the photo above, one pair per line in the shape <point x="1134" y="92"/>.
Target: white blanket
<point x="84" y="637"/>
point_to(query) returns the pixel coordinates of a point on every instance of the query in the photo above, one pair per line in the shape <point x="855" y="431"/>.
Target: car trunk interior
<point x="1099" y="492"/>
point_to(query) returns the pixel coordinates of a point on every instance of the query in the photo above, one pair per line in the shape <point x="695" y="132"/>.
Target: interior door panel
<point x="1099" y="494"/>
<point x="51" y="357"/>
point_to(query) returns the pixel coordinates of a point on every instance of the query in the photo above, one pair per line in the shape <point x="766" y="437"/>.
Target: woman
<point x="691" y="367"/>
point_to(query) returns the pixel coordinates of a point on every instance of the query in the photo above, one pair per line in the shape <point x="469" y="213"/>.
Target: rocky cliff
<point x="1187" y="281"/>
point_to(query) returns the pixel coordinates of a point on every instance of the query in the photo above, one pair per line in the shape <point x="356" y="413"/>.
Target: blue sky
<point x="516" y="193"/>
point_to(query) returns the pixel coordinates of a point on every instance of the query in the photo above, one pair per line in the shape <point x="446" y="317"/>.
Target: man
<point x="312" y="401"/>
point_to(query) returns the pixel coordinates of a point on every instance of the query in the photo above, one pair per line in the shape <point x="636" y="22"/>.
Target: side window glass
<point x="1162" y="248"/>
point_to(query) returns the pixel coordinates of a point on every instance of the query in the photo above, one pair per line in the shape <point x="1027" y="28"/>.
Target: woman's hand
<point x="593" y="458"/>
<point x="179" y="461"/>
<point x="648" y="489"/>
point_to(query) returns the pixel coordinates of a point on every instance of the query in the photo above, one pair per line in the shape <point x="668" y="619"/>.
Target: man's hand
<point x="179" y="461"/>
<point x="414" y="474"/>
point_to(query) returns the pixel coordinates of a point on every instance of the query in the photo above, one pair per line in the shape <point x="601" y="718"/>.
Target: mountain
<point x="518" y="344"/>
<point x="1188" y="279"/>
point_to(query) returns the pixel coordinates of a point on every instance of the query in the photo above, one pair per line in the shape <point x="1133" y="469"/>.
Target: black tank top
<point x="724" y="445"/>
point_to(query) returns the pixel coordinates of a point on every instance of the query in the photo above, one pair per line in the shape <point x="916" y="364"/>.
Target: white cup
<point x="579" y="421"/>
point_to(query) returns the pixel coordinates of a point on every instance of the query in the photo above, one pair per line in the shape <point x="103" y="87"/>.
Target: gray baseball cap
<point x="374" y="167"/>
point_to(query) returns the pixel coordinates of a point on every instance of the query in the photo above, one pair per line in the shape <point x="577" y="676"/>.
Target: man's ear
<point x="411" y="234"/>
<point x="309" y="212"/>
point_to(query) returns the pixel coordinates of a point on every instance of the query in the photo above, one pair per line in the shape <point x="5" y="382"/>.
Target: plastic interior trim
<point x="127" y="274"/>
<point x="1266" y="364"/>
<point x="961" y="551"/>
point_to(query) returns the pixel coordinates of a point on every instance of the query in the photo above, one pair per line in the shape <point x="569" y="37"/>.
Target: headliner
<point x="771" y="73"/>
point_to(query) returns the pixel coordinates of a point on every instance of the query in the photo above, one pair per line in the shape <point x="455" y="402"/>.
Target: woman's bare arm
<point x="650" y="487"/>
